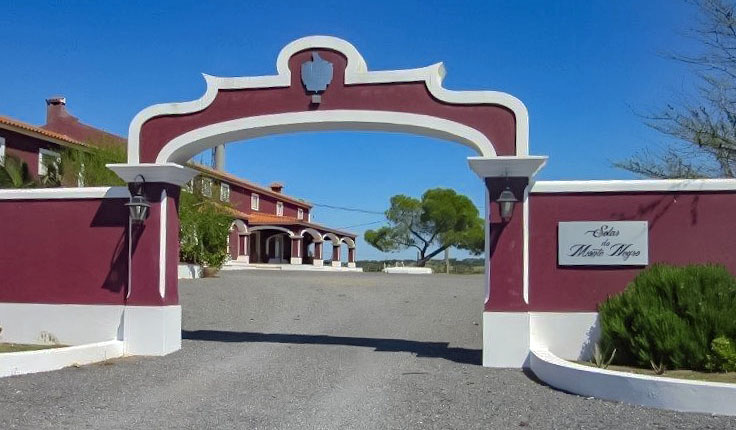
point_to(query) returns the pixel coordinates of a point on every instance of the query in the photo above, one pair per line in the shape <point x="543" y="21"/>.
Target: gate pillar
<point x="152" y="316"/>
<point x="506" y="317"/>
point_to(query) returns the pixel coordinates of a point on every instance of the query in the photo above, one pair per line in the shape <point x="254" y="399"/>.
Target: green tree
<point x="701" y="129"/>
<point x="442" y="218"/>
<point x="14" y="173"/>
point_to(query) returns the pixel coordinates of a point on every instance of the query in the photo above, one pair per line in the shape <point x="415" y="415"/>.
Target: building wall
<point x="240" y="199"/>
<point x="71" y="251"/>
<point x="684" y="228"/>
<point x="26" y="148"/>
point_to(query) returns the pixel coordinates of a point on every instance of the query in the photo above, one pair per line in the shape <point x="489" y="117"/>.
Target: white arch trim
<point x="356" y="73"/>
<point x="240" y="226"/>
<point x="274" y="227"/>
<point x="333" y="238"/>
<point x="312" y="232"/>
<point x="349" y="241"/>
<point x="187" y="145"/>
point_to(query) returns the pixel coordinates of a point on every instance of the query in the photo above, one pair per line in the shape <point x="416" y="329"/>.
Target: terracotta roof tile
<point x="38" y="132"/>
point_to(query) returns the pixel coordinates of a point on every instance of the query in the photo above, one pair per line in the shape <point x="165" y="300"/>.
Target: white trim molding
<point x="356" y="73"/>
<point x="513" y="166"/>
<point x="163" y="217"/>
<point x="170" y="173"/>
<point x="634" y="186"/>
<point x="66" y="193"/>
<point x="184" y="147"/>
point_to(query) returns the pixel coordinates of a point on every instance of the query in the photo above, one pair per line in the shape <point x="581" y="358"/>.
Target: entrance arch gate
<point x="323" y="83"/>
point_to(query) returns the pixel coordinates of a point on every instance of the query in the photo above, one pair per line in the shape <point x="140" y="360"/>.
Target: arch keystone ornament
<point x="323" y="83"/>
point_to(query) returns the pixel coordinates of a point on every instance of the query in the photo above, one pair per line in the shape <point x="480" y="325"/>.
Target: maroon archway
<point x="493" y="124"/>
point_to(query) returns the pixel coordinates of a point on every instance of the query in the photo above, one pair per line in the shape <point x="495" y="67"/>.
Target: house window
<point x="225" y="192"/>
<point x="189" y="186"/>
<point x="45" y="157"/>
<point x="300" y="213"/>
<point x="2" y="151"/>
<point x="255" y="201"/>
<point x="279" y="209"/>
<point x="207" y="187"/>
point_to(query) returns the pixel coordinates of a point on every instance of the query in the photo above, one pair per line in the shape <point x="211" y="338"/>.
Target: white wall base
<point x="336" y="264"/>
<point x="33" y="323"/>
<point x="505" y="339"/>
<point x="152" y="330"/>
<point x="295" y="260"/>
<point x="318" y="263"/>
<point x="508" y="336"/>
<point x="45" y="360"/>
<point x="243" y="258"/>
<point x="189" y="271"/>
<point x="351" y="264"/>
<point x="569" y="335"/>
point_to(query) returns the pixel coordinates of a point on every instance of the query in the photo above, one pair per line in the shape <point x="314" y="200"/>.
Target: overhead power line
<point x="361" y="225"/>
<point x="365" y="211"/>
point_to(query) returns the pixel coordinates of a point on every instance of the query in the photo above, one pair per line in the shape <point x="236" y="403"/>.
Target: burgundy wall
<point x="683" y="228"/>
<point x="63" y="251"/>
<point x="26" y="148"/>
<point x="496" y="122"/>
<point x="240" y="199"/>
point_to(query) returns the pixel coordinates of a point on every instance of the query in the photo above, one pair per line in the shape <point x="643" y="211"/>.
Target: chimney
<point x="220" y="158"/>
<point x="276" y="187"/>
<point x="55" y="108"/>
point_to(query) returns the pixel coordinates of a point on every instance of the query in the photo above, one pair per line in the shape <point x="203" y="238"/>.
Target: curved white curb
<point x="44" y="360"/>
<point x="658" y="392"/>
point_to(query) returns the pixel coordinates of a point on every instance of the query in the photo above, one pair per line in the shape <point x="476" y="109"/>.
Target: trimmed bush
<point x="671" y="316"/>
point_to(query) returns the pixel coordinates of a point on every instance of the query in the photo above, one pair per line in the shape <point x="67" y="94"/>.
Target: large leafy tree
<point x="702" y="128"/>
<point x="441" y="219"/>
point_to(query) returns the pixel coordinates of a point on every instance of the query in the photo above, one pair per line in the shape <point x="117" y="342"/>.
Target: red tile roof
<point x="39" y="133"/>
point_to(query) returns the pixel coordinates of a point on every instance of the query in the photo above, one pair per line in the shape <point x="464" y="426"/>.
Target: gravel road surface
<point x="291" y="350"/>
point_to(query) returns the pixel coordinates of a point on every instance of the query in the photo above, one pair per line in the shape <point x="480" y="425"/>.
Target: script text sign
<point x="603" y="243"/>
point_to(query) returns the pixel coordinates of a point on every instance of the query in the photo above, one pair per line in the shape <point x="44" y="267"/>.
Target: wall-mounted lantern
<point x="138" y="205"/>
<point x="506" y="201"/>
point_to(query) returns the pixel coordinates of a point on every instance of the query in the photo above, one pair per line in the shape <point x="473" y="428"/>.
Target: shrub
<point x="724" y="355"/>
<point x="670" y="316"/>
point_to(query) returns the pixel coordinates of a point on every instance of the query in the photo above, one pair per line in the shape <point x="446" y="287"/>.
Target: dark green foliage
<point x="723" y="355"/>
<point x="88" y="168"/>
<point x="14" y="173"/>
<point x="204" y="227"/>
<point x="669" y="316"/>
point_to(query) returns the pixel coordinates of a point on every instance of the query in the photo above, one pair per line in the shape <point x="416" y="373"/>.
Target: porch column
<point x="296" y="250"/>
<point x="351" y="257"/>
<point x="335" y="255"/>
<point x="506" y="321"/>
<point x="244" y="248"/>
<point x="317" y="261"/>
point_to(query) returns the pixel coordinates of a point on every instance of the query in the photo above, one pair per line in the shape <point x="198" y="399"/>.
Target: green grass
<point x="17" y="347"/>
<point x="729" y="377"/>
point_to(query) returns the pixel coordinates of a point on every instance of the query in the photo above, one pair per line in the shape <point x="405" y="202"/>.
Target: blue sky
<point x="583" y="68"/>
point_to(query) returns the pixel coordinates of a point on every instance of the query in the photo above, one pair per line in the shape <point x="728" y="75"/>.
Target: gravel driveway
<point x="272" y="350"/>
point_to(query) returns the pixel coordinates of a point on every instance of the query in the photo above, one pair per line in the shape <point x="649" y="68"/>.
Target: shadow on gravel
<point x="421" y="349"/>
